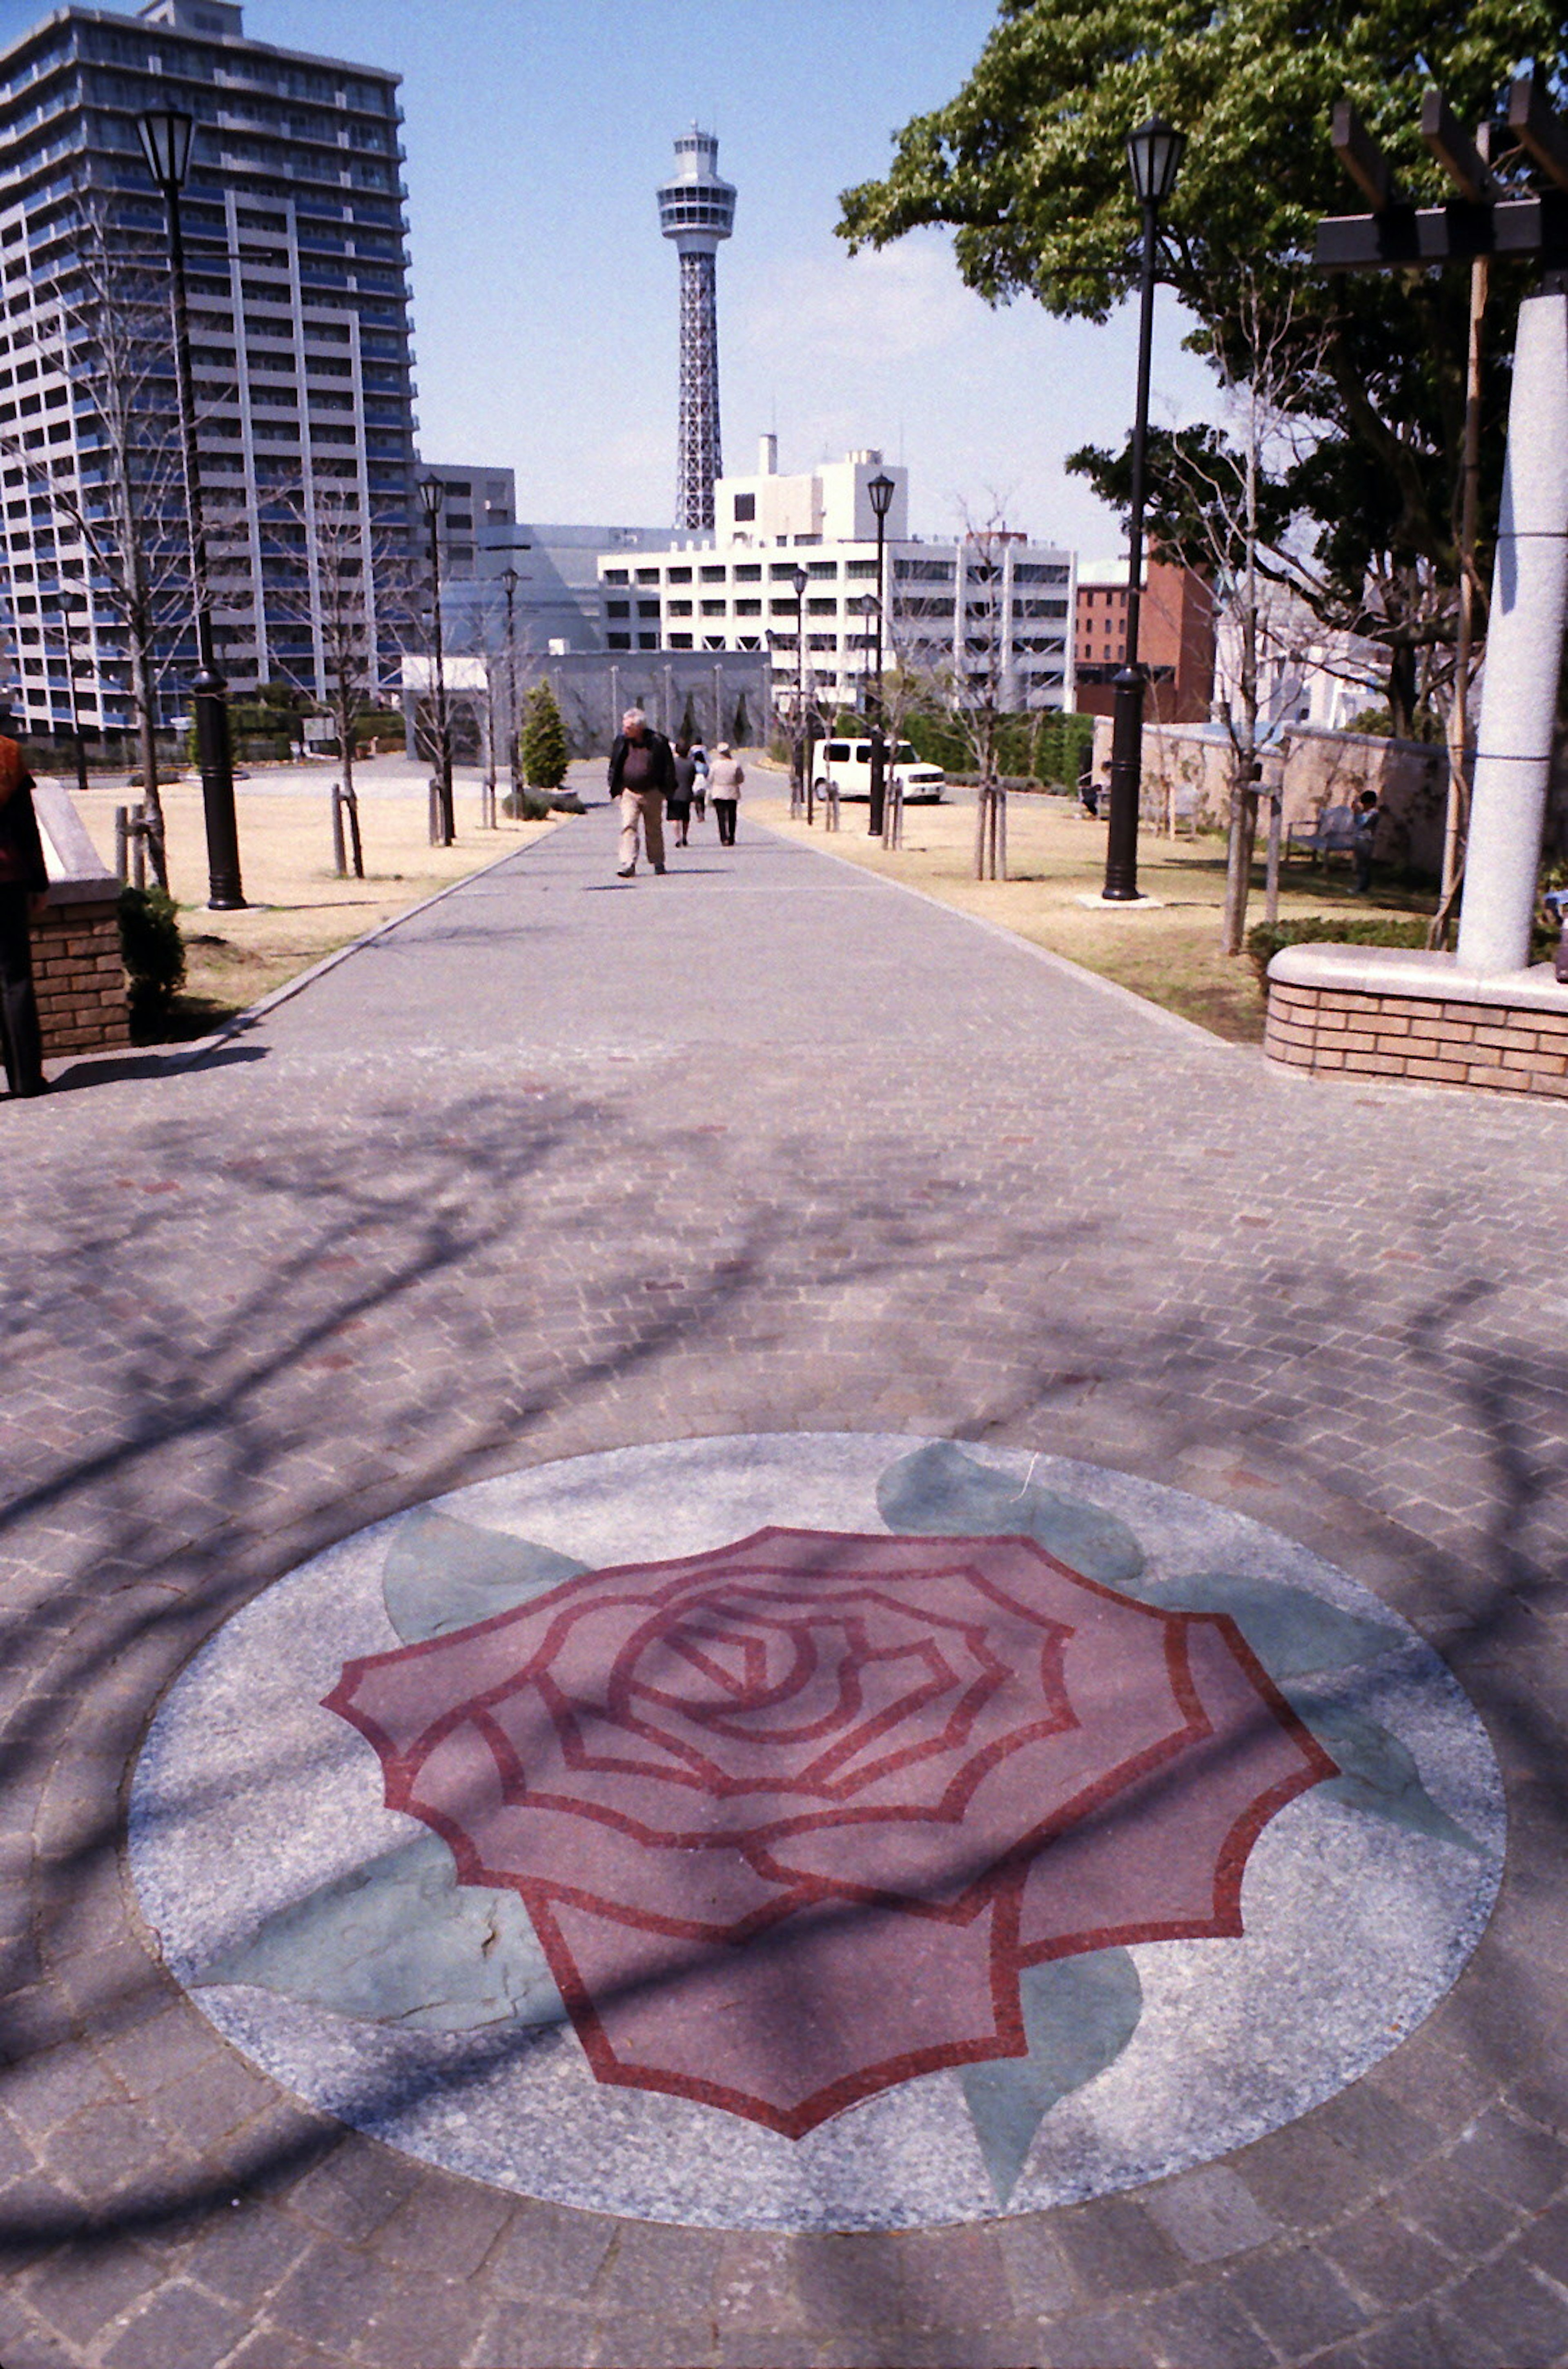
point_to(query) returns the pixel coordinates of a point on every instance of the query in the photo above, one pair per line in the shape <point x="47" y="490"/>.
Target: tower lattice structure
<point x="696" y="209"/>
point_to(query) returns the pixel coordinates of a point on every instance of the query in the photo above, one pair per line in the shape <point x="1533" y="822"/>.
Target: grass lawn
<point x="1169" y="952"/>
<point x="299" y="910"/>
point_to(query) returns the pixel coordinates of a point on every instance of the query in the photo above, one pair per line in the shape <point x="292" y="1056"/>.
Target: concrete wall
<point x="1190" y="765"/>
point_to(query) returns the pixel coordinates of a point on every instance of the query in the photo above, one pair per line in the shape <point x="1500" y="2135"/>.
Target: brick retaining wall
<point x="80" y="979"/>
<point x="1516" y="1048"/>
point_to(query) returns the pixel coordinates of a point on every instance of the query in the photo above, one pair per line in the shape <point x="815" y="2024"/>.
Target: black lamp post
<point x="167" y="136"/>
<point x="510" y="580"/>
<point x="802" y="757"/>
<point x="432" y="494"/>
<point x="1154" y="158"/>
<point x="881" y="490"/>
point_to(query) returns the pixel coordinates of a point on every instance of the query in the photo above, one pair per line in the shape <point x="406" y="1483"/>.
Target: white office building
<point x="997" y="603"/>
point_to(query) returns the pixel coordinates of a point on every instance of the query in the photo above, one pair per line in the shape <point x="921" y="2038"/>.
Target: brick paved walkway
<point x="559" y="1165"/>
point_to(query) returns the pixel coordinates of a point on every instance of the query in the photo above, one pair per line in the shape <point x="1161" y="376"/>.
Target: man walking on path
<point x="24" y="885"/>
<point x="642" y="774"/>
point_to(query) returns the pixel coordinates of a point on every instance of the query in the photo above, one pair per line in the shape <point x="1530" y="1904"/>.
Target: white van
<point x="847" y="765"/>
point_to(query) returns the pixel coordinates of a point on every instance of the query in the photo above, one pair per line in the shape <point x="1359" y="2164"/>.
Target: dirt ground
<point x="1168" y="951"/>
<point x="299" y="910"/>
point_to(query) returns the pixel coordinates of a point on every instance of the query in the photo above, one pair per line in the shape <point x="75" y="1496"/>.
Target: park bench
<point x="1332" y="833"/>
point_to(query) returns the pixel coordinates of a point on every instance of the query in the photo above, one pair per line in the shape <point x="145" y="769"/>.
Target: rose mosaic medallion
<point x="820" y="1831"/>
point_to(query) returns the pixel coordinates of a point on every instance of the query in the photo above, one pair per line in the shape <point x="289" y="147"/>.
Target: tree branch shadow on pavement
<point x="167" y="1427"/>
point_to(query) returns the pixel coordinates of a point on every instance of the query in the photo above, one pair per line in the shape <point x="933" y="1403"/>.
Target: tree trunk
<point x="347" y="707"/>
<point x="144" y="691"/>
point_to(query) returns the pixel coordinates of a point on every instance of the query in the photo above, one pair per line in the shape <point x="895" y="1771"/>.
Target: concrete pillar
<point x="1524" y="653"/>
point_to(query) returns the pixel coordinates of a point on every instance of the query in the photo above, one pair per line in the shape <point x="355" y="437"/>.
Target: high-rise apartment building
<point x="300" y="333"/>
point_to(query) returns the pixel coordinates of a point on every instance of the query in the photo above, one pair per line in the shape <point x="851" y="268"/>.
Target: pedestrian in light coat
<point x="725" y="775"/>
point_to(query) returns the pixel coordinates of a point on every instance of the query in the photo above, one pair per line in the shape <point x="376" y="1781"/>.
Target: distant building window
<point x="745" y="507"/>
<point x="679" y="641"/>
<point x="817" y="568"/>
<point x="647" y="641"/>
<point x="620" y="641"/>
<point x="681" y="608"/>
<point x="616" y="575"/>
<point x="749" y="608"/>
<point x="680" y="575"/>
<point x="712" y="608"/>
<point x="860" y="567"/>
<point x="712" y="575"/>
<point x="748" y="573"/>
<point x="648" y="576"/>
<point x="647" y="608"/>
<point x="617" y="607"/>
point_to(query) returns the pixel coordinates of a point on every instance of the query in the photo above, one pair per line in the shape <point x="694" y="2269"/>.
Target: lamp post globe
<point x="432" y="495"/>
<point x="1154" y="158"/>
<point x="166" y="134"/>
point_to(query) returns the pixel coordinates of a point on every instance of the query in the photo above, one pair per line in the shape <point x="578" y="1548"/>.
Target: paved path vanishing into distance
<point x="560" y="1164"/>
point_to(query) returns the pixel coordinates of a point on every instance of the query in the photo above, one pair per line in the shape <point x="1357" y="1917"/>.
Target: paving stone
<point x="1115" y="2248"/>
<point x="447" y="2226"/>
<point x="1201" y="2328"/>
<point x="1209" y="2215"/>
<point x="1099" y="2339"/>
<point x="355" y="2192"/>
<point x="424" y="2320"/>
<point x="177" y="2325"/>
<point x="246" y="2254"/>
<point x="1514" y="2313"/>
<point x="535" y="2336"/>
<point x="550" y="2253"/>
<point x="79" y="2293"/>
<point x="1467" y="2221"/>
<point x="1037" y="2274"/>
<point x="1525" y="2166"/>
<point x="1296" y="2299"/>
<point x="1387" y="2263"/>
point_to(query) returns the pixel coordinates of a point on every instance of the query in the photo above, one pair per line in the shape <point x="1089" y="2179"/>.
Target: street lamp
<point x="432" y="494"/>
<point x="167" y="136"/>
<point x="65" y="604"/>
<point x="510" y="580"/>
<point x="881" y="490"/>
<point x="1154" y="158"/>
<point x="802" y="756"/>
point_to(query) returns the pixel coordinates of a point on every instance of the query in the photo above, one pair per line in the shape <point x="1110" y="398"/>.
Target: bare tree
<point x="970" y="684"/>
<point x="330" y="567"/>
<point x="102" y="318"/>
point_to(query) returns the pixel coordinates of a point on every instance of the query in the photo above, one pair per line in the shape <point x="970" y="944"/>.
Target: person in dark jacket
<point x="642" y="775"/>
<point x="24" y="892"/>
<point x="678" y="805"/>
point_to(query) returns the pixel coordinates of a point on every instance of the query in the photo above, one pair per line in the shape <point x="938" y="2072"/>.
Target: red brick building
<point x="1176" y="636"/>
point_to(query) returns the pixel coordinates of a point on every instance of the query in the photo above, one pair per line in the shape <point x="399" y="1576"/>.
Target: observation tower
<point x="696" y="210"/>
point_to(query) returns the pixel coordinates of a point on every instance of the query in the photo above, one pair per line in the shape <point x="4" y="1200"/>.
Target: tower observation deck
<point x="696" y="210"/>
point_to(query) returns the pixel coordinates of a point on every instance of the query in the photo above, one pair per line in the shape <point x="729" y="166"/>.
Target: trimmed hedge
<point x="152" y="951"/>
<point x="1268" y="938"/>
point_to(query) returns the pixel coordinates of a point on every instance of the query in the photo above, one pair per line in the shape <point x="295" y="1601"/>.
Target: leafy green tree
<point x="543" y="741"/>
<point x="1026" y="165"/>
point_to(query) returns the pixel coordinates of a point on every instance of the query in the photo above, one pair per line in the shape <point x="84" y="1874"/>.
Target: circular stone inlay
<point x="816" y="1831"/>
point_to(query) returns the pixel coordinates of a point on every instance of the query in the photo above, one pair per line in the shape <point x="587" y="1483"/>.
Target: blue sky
<point x="545" y="299"/>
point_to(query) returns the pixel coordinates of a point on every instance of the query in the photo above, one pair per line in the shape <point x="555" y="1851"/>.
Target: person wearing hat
<point x="23" y="893"/>
<point x="642" y="775"/>
<point x="725" y="775"/>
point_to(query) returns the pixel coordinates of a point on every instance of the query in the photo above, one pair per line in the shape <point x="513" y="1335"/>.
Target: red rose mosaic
<point x="790" y="1816"/>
